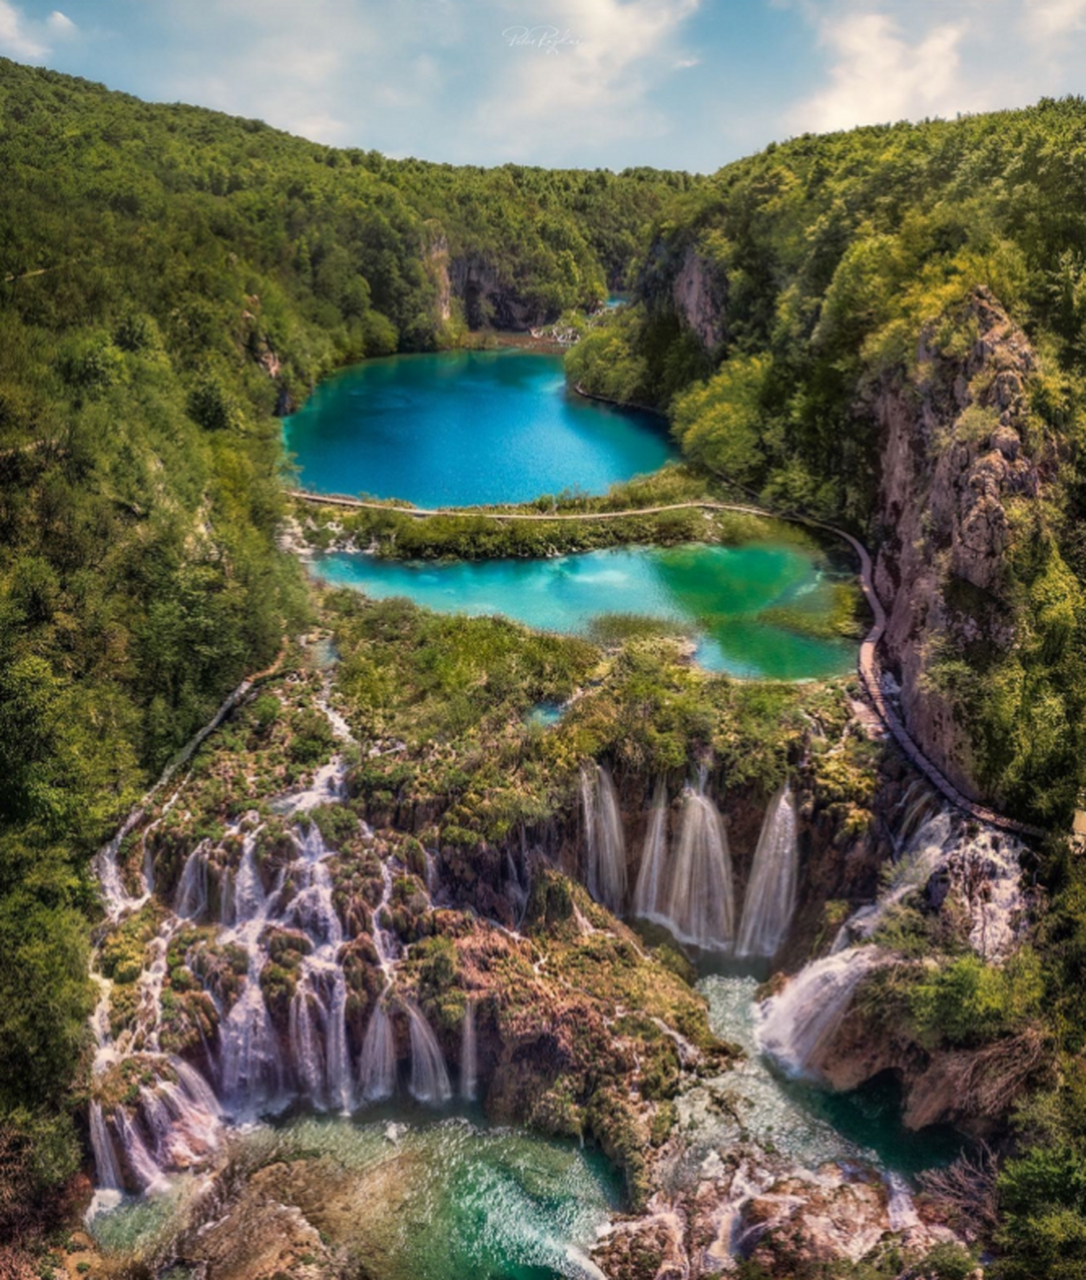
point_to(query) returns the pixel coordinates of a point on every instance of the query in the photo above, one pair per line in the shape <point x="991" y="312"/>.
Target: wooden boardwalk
<point x="867" y="662"/>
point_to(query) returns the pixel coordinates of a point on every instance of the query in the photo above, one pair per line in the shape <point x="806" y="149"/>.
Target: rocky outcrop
<point x="972" y="1089"/>
<point x="699" y="293"/>
<point x="679" y="280"/>
<point x="952" y="462"/>
<point x="746" y="1204"/>
<point x="489" y="300"/>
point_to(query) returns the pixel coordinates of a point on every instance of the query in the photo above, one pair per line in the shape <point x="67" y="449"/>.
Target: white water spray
<point x="651" y="876"/>
<point x="605" y="844"/>
<point x="469" y="1067"/>
<point x="377" y="1064"/>
<point x="699" y="905"/>
<point x="770" y="899"/>
<point x="429" y="1077"/>
<point x="798" y="1026"/>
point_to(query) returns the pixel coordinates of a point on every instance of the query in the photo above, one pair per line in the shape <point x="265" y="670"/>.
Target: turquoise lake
<point x="466" y="428"/>
<point x="717" y="595"/>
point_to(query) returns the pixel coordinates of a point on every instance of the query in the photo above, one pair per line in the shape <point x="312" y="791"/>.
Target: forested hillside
<point x="886" y="328"/>
<point x="808" y="307"/>
<point x="168" y="277"/>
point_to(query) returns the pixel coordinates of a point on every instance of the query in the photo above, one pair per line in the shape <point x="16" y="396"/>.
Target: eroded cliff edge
<point x="956" y="484"/>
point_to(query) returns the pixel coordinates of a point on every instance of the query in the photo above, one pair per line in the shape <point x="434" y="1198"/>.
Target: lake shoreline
<point x="466" y="428"/>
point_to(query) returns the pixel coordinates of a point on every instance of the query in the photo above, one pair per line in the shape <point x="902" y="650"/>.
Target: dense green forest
<point x="168" y="276"/>
<point x="837" y="260"/>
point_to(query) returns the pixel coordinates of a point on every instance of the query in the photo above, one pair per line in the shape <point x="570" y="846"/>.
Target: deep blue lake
<point x="466" y="428"/>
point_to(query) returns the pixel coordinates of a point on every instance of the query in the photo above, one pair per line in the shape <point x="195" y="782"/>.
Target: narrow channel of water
<point x="812" y="1126"/>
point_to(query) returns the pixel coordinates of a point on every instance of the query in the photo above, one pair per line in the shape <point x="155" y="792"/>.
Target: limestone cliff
<point x="699" y="293"/>
<point x="684" y="280"/>
<point x="489" y="299"/>
<point x="952" y="465"/>
<point x="486" y="296"/>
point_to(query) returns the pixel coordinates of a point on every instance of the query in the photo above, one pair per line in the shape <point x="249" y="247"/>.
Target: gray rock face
<point x="952" y="461"/>
<point x="489" y="299"/>
<point x="700" y="296"/>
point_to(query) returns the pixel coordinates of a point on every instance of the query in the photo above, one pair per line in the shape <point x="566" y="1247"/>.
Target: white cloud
<point x="276" y="60"/>
<point x="1050" y="19"/>
<point x="16" y="38"/>
<point x="60" y="23"/>
<point x="876" y="75"/>
<point x="595" y="85"/>
<point x="433" y="78"/>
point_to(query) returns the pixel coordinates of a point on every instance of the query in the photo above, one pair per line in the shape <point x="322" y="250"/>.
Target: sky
<point x="687" y="84"/>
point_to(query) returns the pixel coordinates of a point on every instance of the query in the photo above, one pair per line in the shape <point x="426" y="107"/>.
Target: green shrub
<point x="967" y="1002"/>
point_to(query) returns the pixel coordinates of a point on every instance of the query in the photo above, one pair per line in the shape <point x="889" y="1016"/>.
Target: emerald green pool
<point x="423" y="1200"/>
<point x="725" y="598"/>
<point x="810" y="1125"/>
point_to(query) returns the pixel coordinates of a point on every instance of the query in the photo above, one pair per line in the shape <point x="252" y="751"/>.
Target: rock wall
<point x="952" y="457"/>
<point x="699" y="294"/>
<point x="679" y="279"/>
<point x="489" y="300"/>
<point x="436" y="259"/>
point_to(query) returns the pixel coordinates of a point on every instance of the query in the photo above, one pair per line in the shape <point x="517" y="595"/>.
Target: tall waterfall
<point x="798" y="1025"/>
<point x="700" y="903"/>
<point x="143" y="1165"/>
<point x="307" y="1014"/>
<point x="250" y="1068"/>
<point x="322" y="978"/>
<point x="605" y="844"/>
<point x="105" y="1158"/>
<point x="469" y="1067"/>
<point x="429" y="1076"/>
<point x="648" y="892"/>
<point x="770" y="899"/>
<point x="377" y="1063"/>
<point x="688" y="890"/>
<point x="191" y="899"/>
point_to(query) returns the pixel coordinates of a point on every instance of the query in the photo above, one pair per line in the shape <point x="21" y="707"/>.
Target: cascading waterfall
<point x="191" y="901"/>
<point x="175" y="1118"/>
<point x="226" y="899"/>
<point x="429" y="1077"/>
<point x="770" y="899"/>
<point x="798" y="1025"/>
<point x="689" y="890"/>
<point x="144" y="1167"/>
<point x="699" y="906"/>
<point x="251" y="1073"/>
<point x="377" y="1063"/>
<point x="605" y="844"/>
<point x="105" y="1158"/>
<point x="469" y="1069"/>
<point x="322" y="989"/>
<point x="306" y="1046"/>
<point x="649" y="890"/>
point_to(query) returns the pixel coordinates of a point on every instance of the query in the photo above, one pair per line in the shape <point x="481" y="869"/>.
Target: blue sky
<point x="672" y="83"/>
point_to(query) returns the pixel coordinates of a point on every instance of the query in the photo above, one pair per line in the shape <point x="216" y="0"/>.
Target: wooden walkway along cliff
<point x="867" y="663"/>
